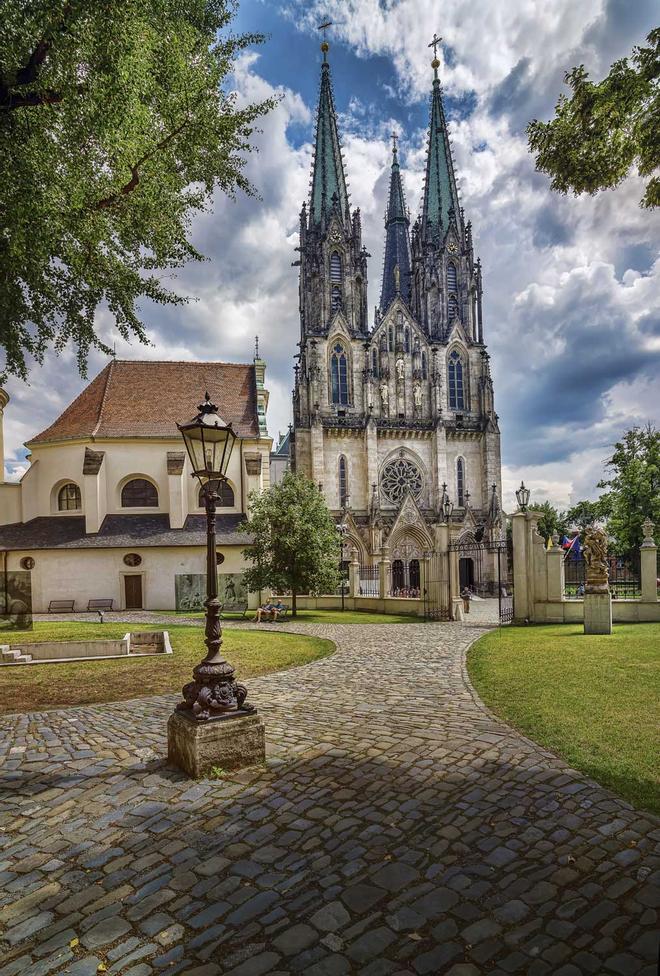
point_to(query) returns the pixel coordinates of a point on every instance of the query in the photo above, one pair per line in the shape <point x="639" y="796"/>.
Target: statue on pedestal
<point x="595" y="554"/>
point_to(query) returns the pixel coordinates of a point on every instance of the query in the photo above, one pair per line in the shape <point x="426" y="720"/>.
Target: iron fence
<point x="369" y="581"/>
<point x="624" y="577"/>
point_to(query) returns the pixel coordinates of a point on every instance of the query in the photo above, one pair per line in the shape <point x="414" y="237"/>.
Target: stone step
<point x="11" y="655"/>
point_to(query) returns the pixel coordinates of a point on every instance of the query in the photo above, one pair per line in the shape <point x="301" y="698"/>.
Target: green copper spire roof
<point x="397" y="263"/>
<point x="440" y="192"/>
<point x="328" y="180"/>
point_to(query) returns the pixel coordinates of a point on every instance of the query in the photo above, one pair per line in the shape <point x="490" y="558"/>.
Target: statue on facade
<point x="400" y="370"/>
<point x="384" y="396"/>
<point x="417" y="396"/>
<point x="595" y="554"/>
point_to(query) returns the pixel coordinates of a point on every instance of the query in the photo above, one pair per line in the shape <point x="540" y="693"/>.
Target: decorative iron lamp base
<point x="227" y="743"/>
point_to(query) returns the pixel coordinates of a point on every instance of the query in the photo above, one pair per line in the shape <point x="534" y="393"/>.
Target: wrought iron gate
<point x="486" y="569"/>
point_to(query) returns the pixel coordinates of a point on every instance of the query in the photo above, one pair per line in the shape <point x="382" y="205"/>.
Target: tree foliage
<point x="632" y="488"/>
<point x="605" y="127"/>
<point x="551" y="521"/>
<point x="296" y="545"/>
<point x="115" y="128"/>
<point x="583" y="514"/>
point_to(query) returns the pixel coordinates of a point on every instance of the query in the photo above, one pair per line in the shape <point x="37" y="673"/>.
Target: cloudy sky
<point x="572" y="285"/>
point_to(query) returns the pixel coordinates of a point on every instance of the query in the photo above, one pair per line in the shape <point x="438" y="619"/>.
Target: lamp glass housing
<point x="209" y="442"/>
<point x="522" y="497"/>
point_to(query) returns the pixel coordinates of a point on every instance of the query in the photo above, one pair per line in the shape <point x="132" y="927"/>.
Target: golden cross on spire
<point x="435" y="64"/>
<point x="325" y="46"/>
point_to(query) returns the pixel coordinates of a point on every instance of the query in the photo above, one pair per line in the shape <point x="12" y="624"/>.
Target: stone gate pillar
<point x="354" y="574"/>
<point x="384" y="572"/>
<point x="556" y="576"/>
<point x="649" y="564"/>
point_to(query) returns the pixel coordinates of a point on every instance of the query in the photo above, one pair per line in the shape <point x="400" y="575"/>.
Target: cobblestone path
<point x="397" y="828"/>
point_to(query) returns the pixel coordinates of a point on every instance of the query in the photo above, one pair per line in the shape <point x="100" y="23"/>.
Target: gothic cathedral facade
<point x="393" y="418"/>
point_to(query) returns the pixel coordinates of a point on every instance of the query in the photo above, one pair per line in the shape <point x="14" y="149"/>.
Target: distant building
<point x="108" y="507"/>
<point x="280" y="458"/>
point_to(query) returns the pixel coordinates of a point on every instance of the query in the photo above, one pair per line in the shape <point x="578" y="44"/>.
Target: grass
<point x="33" y="688"/>
<point x="323" y="617"/>
<point x="591" y="699"/>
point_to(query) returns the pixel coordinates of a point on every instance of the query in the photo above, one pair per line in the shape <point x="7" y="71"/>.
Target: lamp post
<point x="214" y="692"/>
<point x="446" y="504"/>
<point x="522" y="497"/>
<point x="342" y="529"/>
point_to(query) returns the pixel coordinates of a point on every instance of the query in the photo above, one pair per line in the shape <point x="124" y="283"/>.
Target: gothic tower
<point x="393" y="418"/>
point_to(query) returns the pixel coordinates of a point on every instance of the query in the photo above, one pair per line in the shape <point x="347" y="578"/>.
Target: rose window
<point x="398" y="477"/>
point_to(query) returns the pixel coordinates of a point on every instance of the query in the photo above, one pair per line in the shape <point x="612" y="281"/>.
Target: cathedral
<point x="394" y="418"/>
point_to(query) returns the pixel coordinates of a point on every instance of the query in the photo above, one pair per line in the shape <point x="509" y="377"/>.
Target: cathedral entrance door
<point x="465" y="573"/>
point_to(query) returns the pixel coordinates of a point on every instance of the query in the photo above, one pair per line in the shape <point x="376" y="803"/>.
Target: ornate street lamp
<point x="214" y="692"/>
<point x="446" y="505"/>
<point x="522" y="497"/>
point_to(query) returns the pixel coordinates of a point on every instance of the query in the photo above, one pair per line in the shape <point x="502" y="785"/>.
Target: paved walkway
<point x="398" y="828"/>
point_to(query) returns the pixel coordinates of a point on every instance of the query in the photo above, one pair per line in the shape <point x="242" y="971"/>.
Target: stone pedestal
<point x="597" y="612"/>
<point x="227" y="743"/>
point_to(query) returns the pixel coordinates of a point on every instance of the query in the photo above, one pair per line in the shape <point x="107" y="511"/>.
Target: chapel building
<point x="394" y="415"/>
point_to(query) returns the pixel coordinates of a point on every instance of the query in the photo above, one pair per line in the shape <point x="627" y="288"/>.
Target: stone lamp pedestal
<point x="222" y="743"/>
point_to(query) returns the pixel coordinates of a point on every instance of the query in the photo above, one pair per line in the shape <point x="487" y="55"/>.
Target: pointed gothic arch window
<point x="336" y="277"/>
<point x="452" y="277"/>
<point x="455" y="382"/>
<point x="343" y="482"/>
<point x="460" y="482"/>
<point x="374" y="362"/>
<point x="407" y="339"/>
<point x="390" y="339"/>
<point x="339" y="375"/>
<point x="425" y="372"/>
<point x="452" y="308"/>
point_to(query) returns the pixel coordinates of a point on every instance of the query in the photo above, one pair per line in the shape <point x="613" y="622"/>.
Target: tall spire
<point x="440" y="192"/>
<point x="396" y="267"/>
<point x="328" y="180"/>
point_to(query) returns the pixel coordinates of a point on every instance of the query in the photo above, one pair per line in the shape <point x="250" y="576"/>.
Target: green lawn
<point x="593" y="700"/>
<point x="37" y="687"/>
<point x="321" y="617"/>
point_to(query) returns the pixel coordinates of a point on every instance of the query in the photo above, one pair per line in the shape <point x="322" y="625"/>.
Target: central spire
<point x="440" y="192"/>
<point x="328" y="180"/>
<point x="397" y="263"/>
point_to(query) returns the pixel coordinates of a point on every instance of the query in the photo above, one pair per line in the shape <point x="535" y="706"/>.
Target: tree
<point x="552" y="519"/>
<point x="583" y="514"/>
<point x="633" y="487"/>
<point x="605" y="127"/>
<point x="296" y="544"/>
<point x="115" y="129"/>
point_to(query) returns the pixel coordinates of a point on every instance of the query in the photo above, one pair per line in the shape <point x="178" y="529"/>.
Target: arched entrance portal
<point x="466" y="572"/>
<point x="406" y="579"/>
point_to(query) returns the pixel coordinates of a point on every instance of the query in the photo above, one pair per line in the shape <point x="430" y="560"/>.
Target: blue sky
<point x="572" y="286"/>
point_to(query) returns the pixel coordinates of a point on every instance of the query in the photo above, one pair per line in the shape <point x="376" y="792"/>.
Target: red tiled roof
<point x="148" y="399"/>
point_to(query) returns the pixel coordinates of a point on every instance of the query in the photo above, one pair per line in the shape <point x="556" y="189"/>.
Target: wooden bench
<point x="234" y="608"/>
<point x="99" y="605"/>
<point x="61" y="606"/>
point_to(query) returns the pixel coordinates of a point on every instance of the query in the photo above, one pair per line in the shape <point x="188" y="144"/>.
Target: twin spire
<point x="329" y="193"/>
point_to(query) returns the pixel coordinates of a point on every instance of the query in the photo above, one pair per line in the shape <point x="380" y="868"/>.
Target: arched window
<point x="407" y="339"/>
<point x="343" y="482"/>
<point x="335" y="281"/>
<point x="452" y="308"/>
<point x="139" y="493"/>
<point x="68" y="498"/>
<point x="425" y="372"/>
<point x="460" y="482"/>
<point x="455" y="377"/>
<point x="452" y="279"/>
<point x="339" y="375"/>
<point x="374" y="362"/>
<point x="390" y="337"/>
<point x="225" y="494"/>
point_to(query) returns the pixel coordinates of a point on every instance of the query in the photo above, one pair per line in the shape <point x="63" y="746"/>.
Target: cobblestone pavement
<point x="397" y="828"/>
